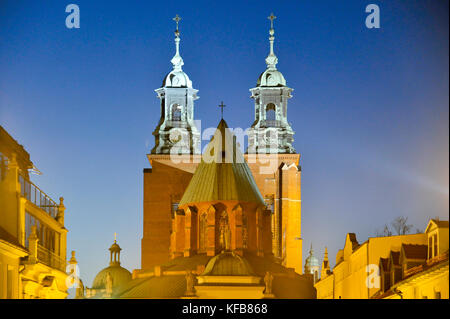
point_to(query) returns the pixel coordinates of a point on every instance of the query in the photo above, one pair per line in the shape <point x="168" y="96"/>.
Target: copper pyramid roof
<point x="223" y="173"/>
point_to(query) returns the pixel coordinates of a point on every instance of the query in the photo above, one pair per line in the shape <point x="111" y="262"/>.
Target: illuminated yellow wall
<point x="41" y="273"/>
<point x="349" y="277"/>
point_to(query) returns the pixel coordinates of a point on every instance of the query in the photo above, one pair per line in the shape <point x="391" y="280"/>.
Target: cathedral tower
<point x="271" y="132"/>
<point x="274" y="162"/>
<point x="176" y="132"/>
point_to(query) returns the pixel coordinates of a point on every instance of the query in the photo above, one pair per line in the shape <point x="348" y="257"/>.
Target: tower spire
<point x="271" y="59"/>
<point x="177" y="60"/>
<point x="325" y="265"/>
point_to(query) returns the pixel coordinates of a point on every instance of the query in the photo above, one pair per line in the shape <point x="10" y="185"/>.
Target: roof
<point x="395" y="257"/>
<point x="415" y="251"/>
<point x="177" y="79"/>
<point x="311" y="260"/>
<point x="154" y="287"/>
<point x="8" y="146"/>
<point x="423" y="270"/>
<point x="438" y="223"/>
<point x="441" y="223"/>
<point x="271" y="78"/>
<point x="286" y="284"/>
<point x="119" y="275"/>
<point x="384" y="263"/>
<point x="228" y="264"/>
<point x="115" y="247"/>
<point x="223" y="173"/>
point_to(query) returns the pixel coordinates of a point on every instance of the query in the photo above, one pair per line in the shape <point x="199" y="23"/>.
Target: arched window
<point x="270" y="112"/>
<point x="176" y="112"/>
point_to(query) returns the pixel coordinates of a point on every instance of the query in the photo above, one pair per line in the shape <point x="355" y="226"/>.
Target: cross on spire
<point x="271" y="18"/>
<point x="115" y="237"/>
<point x="177" y="19"/>
<point x="221" y="105"/>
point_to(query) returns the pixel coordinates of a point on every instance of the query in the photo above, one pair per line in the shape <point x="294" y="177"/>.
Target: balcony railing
<point x="50" y="259"/>
<point x="35" y="195"/>
<point x="271" y="123"/>
<point x="177" y="124"/>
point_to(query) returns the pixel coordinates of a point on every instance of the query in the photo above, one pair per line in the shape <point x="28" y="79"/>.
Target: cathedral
<point x="225" y="223"/>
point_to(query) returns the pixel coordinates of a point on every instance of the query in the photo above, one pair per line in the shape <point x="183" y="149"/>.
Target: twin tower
<point x="271" y="159"/>
<point x="177" y="133"/>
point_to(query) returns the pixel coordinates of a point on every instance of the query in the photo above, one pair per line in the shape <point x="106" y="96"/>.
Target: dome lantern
<point x="112" y="276"/>
<point x="114" y="252"/>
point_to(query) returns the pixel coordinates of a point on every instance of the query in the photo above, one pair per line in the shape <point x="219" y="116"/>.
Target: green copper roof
<point x="223" y="173"/>
<point x="228" y="264"/>
<point x="118" y="274"/>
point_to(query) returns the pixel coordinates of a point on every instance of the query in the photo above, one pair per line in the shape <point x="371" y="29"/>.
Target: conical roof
<point x="223" y="173"/>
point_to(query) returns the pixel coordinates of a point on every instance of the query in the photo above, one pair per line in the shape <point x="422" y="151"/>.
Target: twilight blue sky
<point x="370" y="107"/>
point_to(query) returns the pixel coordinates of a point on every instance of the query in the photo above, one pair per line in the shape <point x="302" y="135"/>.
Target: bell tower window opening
<point x="270" y="112"/>
<point x="176" y="112"/>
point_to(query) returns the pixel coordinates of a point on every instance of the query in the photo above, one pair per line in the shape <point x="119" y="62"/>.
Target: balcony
<point x="271" y="123"/>
<point x="176" y="124"/>
<point x="35" y="195"/>
<point x="50" y="259"/>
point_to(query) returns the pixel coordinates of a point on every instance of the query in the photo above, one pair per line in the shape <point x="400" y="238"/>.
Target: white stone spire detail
<point x="271" y="59"/>
<point x="177" y="60"/>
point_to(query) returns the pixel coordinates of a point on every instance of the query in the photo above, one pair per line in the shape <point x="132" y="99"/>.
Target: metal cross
<point x="271" y="18"/>
<point x="177" y="19"/>
<point x="221" y="108"/>
<point x="115" y="236"/>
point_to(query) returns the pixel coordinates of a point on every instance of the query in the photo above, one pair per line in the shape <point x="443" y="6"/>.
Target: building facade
<point x="32" y="231"/>
<point x="221" y="238"/>
<point x="389" y="267"/>
<point x="270" y="156"/>
<point x="418" y="271"/>
<point x="222" y="224"/>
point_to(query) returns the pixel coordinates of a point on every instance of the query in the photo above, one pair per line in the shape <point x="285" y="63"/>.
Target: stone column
<point x="211" y="233"/>
<point x="259" y="232"/>
<point x="190" y="247"/>
<point x="236" y="230"/>
<point x="33" y="245"/>
<point x="179" y="233"/>
<point x="61" y="210"/>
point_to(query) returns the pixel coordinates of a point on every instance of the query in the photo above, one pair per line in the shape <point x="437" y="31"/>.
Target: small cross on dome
<point x="271" y="18"/>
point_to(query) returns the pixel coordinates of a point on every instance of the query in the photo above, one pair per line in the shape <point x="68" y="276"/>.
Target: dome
<point x="271" y="77"/>
<point x="228" y="264"/>
<point x="118" y="274"/>
<point x="177" y="79"/>
<point x="312" y="261"/>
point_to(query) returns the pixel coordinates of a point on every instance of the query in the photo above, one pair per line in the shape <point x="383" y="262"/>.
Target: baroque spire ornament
<point x="177" y="60"/>
<point x="271" y="59"/>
